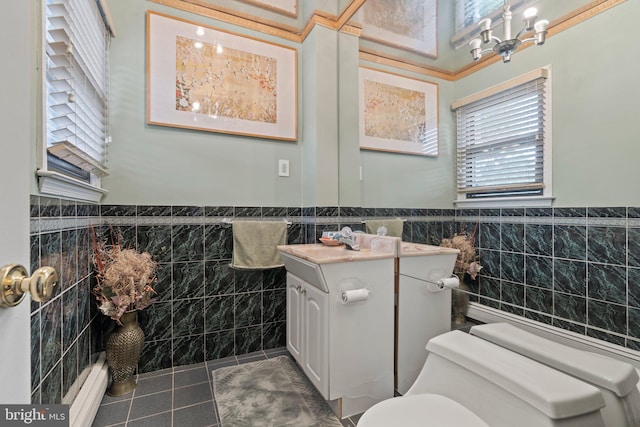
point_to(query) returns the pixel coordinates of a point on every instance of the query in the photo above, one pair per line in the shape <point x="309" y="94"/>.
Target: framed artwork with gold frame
<point x="397" y="114"/>
<point x="410" y="25"/>
<point x="207" y="79"/>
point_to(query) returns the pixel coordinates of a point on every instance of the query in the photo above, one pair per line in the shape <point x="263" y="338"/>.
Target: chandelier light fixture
<point x="505" y="48"/>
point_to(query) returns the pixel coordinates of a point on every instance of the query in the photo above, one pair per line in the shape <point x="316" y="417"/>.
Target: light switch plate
<point x="283" y="167"/>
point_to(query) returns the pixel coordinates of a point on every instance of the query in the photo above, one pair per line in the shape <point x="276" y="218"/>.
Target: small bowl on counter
<point x="329" y="242"/>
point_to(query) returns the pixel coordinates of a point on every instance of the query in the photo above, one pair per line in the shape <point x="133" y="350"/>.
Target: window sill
<point x="511" y="202"/>
<point x="57" y="184"/>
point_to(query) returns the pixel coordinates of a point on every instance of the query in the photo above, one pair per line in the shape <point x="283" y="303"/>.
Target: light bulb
<point x="475" y="49"/>
<point x="541" y="32"/>
<point x="485" y="24"/>
<point x="541" y="26"/>
<point x="529" y="18"/>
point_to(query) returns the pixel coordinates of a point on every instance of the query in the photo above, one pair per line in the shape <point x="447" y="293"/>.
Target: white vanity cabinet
<point x="308" y="330"/>
<point x="424" y="310"/>
<point x="340" y="322"/>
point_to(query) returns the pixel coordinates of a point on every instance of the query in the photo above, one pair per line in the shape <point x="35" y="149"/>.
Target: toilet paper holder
<point x="354" y="295"/>
<point x="451" y="282"/>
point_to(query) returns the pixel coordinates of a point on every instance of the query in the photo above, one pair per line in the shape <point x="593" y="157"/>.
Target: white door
<point x="17" y="136"/>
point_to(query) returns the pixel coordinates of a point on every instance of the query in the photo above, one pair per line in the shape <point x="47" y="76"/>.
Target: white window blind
<point x="501" y="141"/>
<point x="77" y="88"/>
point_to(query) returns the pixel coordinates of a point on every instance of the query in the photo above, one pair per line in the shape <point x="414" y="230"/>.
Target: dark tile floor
<point x="178" y="397"/>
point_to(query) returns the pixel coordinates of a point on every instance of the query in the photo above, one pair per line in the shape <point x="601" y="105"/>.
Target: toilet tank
<point x="617" y="380"/>
<point x="501" y="386"/>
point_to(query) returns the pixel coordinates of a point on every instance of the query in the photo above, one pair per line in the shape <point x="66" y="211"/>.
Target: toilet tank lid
<point x="605" y="372"/>
<point x="553" y="393"/>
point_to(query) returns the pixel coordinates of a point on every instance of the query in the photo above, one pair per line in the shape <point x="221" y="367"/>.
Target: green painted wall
<point x="594" y="138"/>
<point x="407" y="181"/>
<point x="595" y="106"/>
<point x="319" y="143"/>
<point x="168" y="166"/>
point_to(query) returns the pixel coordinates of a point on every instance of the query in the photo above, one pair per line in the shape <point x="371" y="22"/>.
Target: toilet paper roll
<point x="450" y="283"/>
<point x="355" y="295"/>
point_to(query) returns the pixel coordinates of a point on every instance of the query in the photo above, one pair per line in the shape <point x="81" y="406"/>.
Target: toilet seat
<point x="420" y="410"/>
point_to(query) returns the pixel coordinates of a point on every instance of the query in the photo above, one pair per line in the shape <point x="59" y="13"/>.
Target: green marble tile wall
<point x="575" y="268"/>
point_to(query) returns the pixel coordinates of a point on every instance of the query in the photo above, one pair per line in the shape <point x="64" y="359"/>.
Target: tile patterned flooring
<point x="178" y="397"/>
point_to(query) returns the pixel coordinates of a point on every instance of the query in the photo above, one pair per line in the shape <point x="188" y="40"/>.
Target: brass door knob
<point x="14" y="284"/>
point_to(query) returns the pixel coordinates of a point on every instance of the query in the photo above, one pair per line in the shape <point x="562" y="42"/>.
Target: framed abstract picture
<point x="397" y="114"/>
<point x="207" y="79"/>
<point x="405" y="24"/>
<point x="285" y="7"/>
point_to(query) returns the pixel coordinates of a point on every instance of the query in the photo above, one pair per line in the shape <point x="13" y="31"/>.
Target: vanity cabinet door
<point x="294" y="317"/>
<point x="308" y="330"/>
<point x="316" y="337"/>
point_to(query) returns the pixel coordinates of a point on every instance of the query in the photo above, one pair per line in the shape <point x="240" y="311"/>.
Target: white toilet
<point x="617" y="380"/>
<point x="467" y="381"/>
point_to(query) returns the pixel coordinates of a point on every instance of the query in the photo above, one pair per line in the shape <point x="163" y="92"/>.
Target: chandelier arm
<point x="530" y="39"/>
<point x="521" y="32"/>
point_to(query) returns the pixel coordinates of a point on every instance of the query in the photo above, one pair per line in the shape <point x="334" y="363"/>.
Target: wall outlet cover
<point x="283" y="167"/>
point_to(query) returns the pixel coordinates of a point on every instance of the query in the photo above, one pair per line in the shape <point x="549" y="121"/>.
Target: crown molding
<point x="341" y="23"/>
<point x="378" y="58"/>
<point x="208" y="10"/>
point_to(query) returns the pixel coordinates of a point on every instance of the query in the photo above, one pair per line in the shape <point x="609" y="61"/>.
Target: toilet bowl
<point x="467" y="381"/>
<point x="617" y="380"/>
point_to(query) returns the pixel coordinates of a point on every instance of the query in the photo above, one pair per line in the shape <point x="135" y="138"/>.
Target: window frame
<point x="546" y="198"/>
<point x="53" y="180"/>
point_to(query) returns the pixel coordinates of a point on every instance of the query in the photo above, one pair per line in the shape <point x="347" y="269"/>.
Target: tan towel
<point x="255" y="244"/>
<point x="394" y="226"/>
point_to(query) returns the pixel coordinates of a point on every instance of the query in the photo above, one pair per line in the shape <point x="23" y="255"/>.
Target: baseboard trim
<point x="85" y="406"/>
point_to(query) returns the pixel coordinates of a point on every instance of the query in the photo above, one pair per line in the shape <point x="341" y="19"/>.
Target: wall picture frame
<point x="284" y="7"/>
<point x="410" y="25"/>
<point x="397" y="114"/>
<point x="203" y="78"/>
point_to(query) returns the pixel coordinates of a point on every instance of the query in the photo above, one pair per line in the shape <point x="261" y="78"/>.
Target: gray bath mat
<point x="269" y="393"/>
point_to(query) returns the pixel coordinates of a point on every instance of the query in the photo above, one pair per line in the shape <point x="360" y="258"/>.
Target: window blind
<point x="77" y="87"/>
<point x="500" y="142"/>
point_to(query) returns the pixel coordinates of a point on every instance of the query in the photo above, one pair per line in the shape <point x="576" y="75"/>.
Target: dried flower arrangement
<point x="124" y="278"/>
<point x="467" y="261"/>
